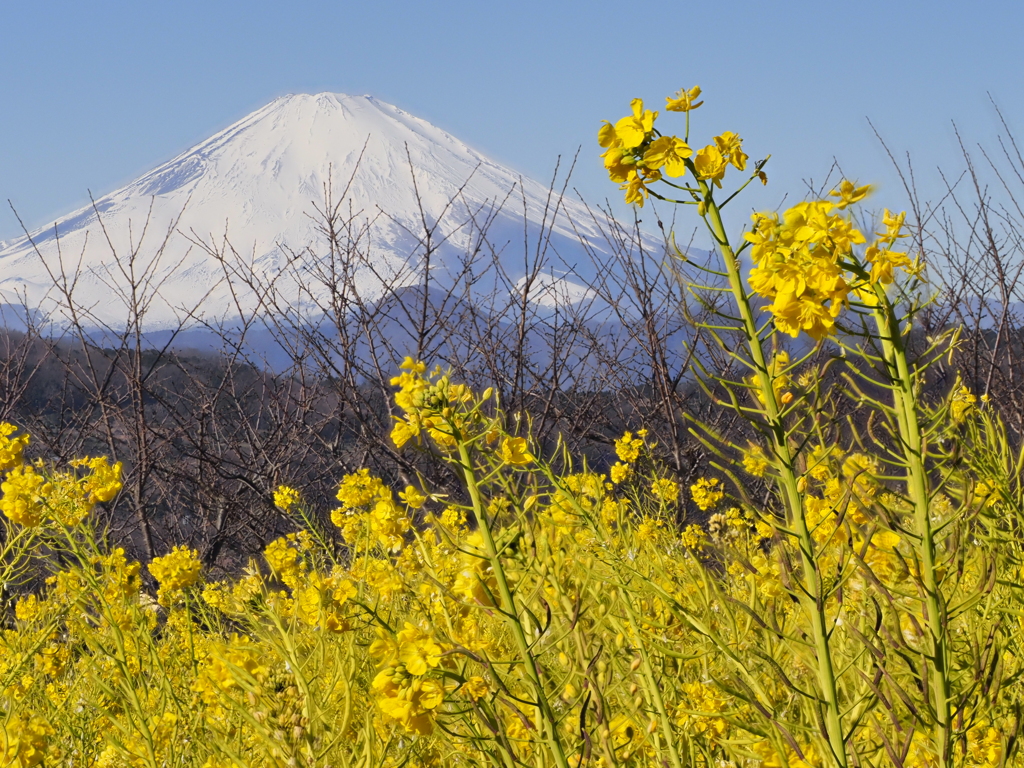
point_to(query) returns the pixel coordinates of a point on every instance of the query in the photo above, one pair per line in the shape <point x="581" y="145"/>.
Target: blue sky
<point x="92" y="94"/>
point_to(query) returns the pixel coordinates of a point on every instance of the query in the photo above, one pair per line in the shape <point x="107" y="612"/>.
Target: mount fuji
<point x="253" y="189"/>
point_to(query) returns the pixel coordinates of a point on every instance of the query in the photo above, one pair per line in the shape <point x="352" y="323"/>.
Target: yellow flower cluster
<point x="177" y="570"/>
<point x="515" y="451"/>
<point x="407" y="693"/>
<point x="22" y="499"/>
<point x="637" y="155"/>
<point x="666" y="490"/>
<point x="32" y="495"/>
<point x="285" y="497"/>
<point x="806" y="265"/>
<point x="432" y="405"/>
<point x="707" y="492"/>
<point x="369" y="513"/>
<point x="23" y="741"/>
<point x="104" y="481"/>
<point x="711" y="162"/>
<point x="796" y="265"/>
<point x="755" y="463"/>
<point x="11" y="448"/>
<point x="961" y="403"/>
<point x="628" y="448"/>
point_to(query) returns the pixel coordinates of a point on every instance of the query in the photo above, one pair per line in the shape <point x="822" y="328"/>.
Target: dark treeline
<point x="302" y="398"/>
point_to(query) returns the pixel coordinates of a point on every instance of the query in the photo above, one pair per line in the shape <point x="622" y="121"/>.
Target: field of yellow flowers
<point x="851" y="595"/>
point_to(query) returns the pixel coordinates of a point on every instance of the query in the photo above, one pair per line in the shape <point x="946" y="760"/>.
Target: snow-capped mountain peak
<point x="255" y="185"/>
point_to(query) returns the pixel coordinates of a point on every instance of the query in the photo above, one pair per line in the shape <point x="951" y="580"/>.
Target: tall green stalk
<point x="905" y="405"/>
<point x="510" y="611"/>
<point x="814" y="596"/>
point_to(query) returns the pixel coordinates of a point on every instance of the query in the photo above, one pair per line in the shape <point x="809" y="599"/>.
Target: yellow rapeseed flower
<point x="620" y="472"/>
<point x="848" y="193"/>
<point x="23" y="740"/>
<point x="710" y="164"/>
<point x="22" y="500"/>
<point x="633" y="129"/>
<point x="285" y="497"/>
<point x="731" y="147"/>
<point x="417" y="650"/>
<point x="883" y="261"/>
<point x="755" y="462"/>
<point x="476" y="687"/>
<point x="684" y="100"/>
<point x="413" y="497"/>
<point x="177" y="570"/>
<point x="627" y="447"/>
<point x="666" y="490"/>
<point x="960" y="404"/>
<point x="515" y="451"/>
<point x="707" y="492"/>
<point x="694" y="537"/>
<point x="104" y="482"/>
<point x="11" y="448"/>
<point x="670" y="153"/>
<point x="893" y="223"/>
<point x="636" y="185"/>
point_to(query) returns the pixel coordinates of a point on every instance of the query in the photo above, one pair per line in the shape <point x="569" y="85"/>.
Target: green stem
<point x="509" y="610"/>
<point x="937" y="652"/>
<point x="653" y="690"/>
<point x="814" y="597"/>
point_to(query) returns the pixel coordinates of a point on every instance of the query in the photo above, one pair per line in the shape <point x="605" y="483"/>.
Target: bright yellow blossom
<point x="670" y="153"/>
<point x="417" y="650"/>
<point x="11" y="448"/>
<point x="22" y="501"/>
<point x="666" y="490"/>
<point x="413" y="497"/>
<point x="707" y="492"/>
<point x="961" y="403"/>
<point x="883" y="261"/>
<point x="684" y="100"/>
<point x="893" y="223"/>
<point x="23" y="741"/>
<point x="285" y="497"/>
<point x="633" y="129"/>
<point x="515" y="451"/>
<point x="710" y="164"/>
<point x="104" y="482"/>
<point x="694" y="537"/>
<point x="636" y="185"/>
<point x="177" y="570"/>
<point x="755" y="462"/>
<point x="619" y="472"/>
<point x="848" y="193"/>
<point x="731" y="147"/>
<point x="627" y="447"/>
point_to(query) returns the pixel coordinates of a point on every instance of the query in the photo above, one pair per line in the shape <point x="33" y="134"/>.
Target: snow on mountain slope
<point x="255" y="184"/>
